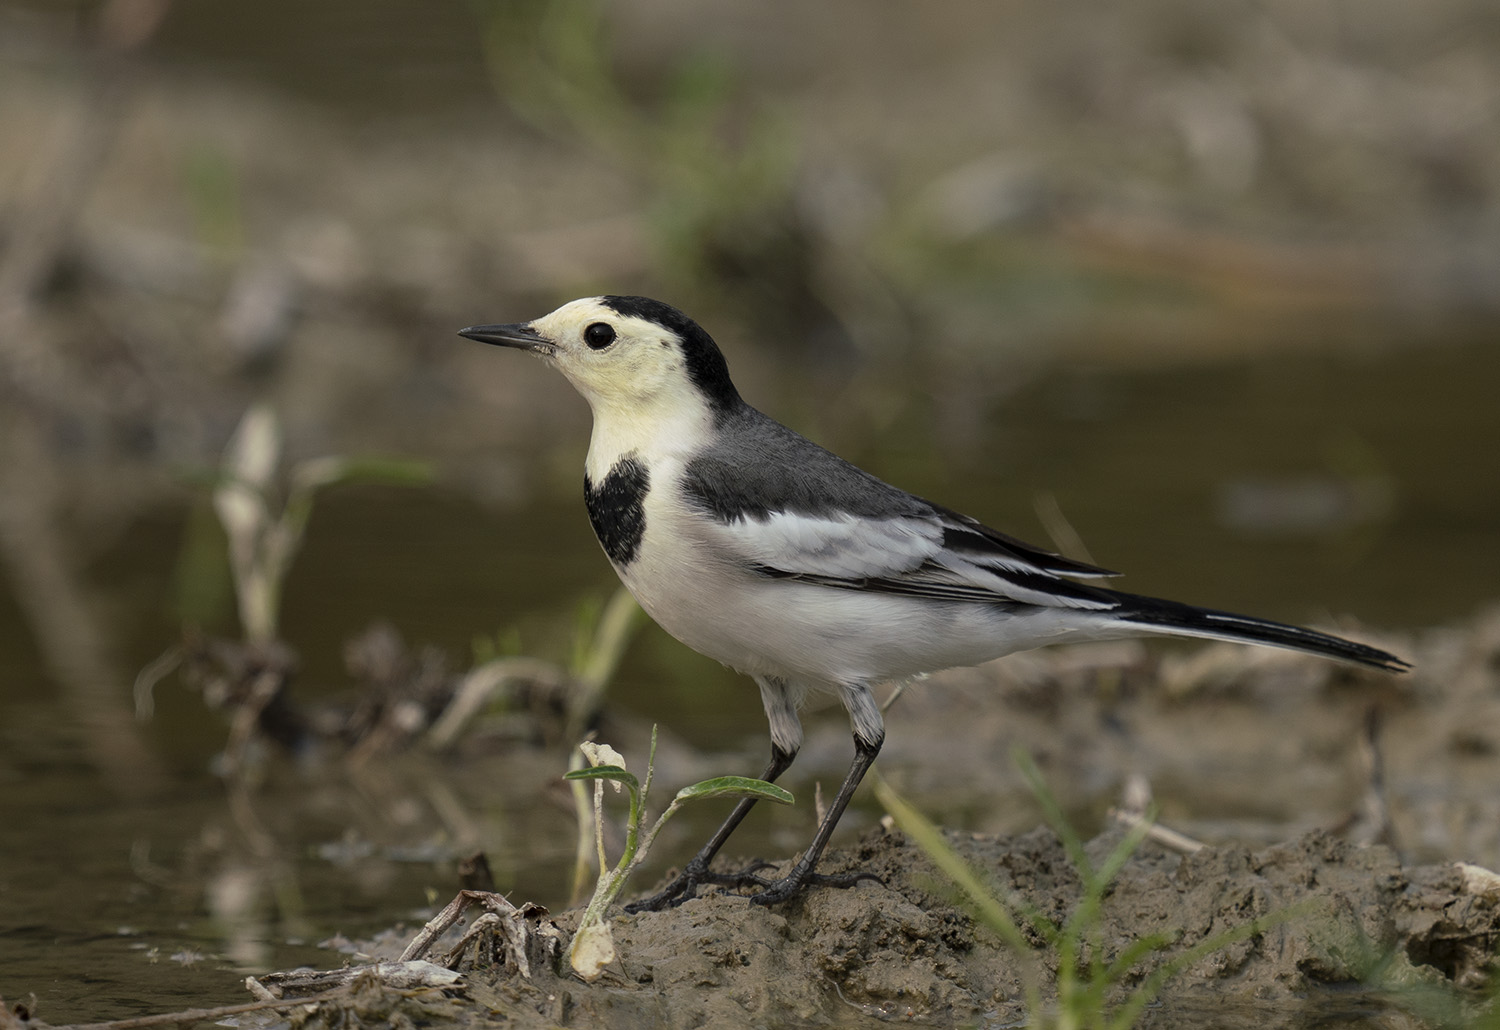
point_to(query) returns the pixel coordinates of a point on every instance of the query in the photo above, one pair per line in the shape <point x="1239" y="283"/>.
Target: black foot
<point x="777" y="891"/>
<point x="694" y="875"/>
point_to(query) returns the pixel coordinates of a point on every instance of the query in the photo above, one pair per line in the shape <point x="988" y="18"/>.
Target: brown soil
<point x="1375" y="785"/>
<point x="1365" y="934"/>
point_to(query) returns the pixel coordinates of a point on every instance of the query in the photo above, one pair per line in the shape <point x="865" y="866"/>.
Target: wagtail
<point x="760" y="549"/>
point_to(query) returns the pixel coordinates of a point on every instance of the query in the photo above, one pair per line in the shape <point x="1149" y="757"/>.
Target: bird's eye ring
<point x="599" y="335"/>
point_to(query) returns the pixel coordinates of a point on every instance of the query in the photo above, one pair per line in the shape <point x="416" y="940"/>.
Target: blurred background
<point x="1207" y="293"/>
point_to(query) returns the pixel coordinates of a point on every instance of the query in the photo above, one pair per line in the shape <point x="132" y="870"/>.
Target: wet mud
<point x="1364" y="934"/>
<point x="1360" y="912"/>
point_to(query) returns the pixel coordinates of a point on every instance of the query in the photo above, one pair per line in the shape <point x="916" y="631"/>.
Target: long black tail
<point x="1154" y="615"/>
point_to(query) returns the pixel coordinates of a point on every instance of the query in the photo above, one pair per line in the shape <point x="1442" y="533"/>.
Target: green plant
<point x="212" y="187"/>
<point x="263" y="512"/>
<point x="265" y="519"/>
<point x="601" y="632"/>
<point x="593" y="944"/>
<point x="600" y="637"/>
<point x="718" y="174"/>
<point x="1434" y="1000"/>
<point x="1087" y="978"/>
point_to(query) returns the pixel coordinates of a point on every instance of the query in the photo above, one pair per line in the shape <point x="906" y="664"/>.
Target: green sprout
<point x="214" y="194"/>
<point x="601" y="633"/>
<point x="1086" y="977"/>
<point x="265" y="521"/>
<point x="599" y="641"/>
<point x="1435" y="1001"/>
<point x="719" y="173"/>
<point x="593" y="945"/>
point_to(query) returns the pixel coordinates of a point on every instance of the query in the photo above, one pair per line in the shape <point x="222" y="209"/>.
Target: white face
<point x="618" y="362"/>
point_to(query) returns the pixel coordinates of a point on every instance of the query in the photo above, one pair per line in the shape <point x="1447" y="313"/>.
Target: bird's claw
<point x="790" y="885"/>
<point x="693" y="875"/>
<point x="685" y="886"/>
<point x="670" y="896"/>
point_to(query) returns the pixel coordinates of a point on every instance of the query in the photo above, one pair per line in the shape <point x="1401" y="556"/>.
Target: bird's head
<point x="626" y="355"/>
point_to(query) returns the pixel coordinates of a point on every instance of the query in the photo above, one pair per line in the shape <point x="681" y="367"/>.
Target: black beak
<point x="517" y="334"/>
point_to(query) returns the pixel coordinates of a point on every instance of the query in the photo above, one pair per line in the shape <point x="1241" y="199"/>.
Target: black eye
<point x="599" y="335"/>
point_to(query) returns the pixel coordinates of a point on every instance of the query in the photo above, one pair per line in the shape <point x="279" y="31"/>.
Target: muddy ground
<point x="1368" y="937"/>
<point x="1364" y="781"/>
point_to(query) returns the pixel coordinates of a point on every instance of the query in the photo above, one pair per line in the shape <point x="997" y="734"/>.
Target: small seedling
<point x="593" y="945"/>
<point x="602" y="632"/>
<point x="264" y="535"/>
<point x="263" y="508"/>
<point x="721" y="174"/>
<point x="1436" y="1002"/>
<point x="600" y="638"/>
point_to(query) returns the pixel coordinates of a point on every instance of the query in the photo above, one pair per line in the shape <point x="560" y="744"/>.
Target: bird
<point x="755" y="546"/>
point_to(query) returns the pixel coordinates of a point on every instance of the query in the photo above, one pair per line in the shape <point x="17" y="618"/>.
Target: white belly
<point x="805" y="632"/>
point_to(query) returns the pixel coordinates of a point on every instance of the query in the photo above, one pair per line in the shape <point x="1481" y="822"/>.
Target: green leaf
<point x="317" y="472"/>
<point x="202" y="585"/>
<point x="605" y="772"/>
<point x="735" y="787"/>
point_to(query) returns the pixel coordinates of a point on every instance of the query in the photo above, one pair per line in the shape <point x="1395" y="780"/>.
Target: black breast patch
<point x="617" y="508"/>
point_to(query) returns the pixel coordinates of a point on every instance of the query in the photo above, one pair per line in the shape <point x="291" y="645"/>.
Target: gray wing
<point x="784" y="507"/>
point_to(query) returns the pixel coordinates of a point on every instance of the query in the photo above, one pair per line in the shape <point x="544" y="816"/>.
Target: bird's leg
<point x="869" y="734"/>
<point x="802" y="874"/>
<point x="696" y="871"/>
<point x="779" y="697"/>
